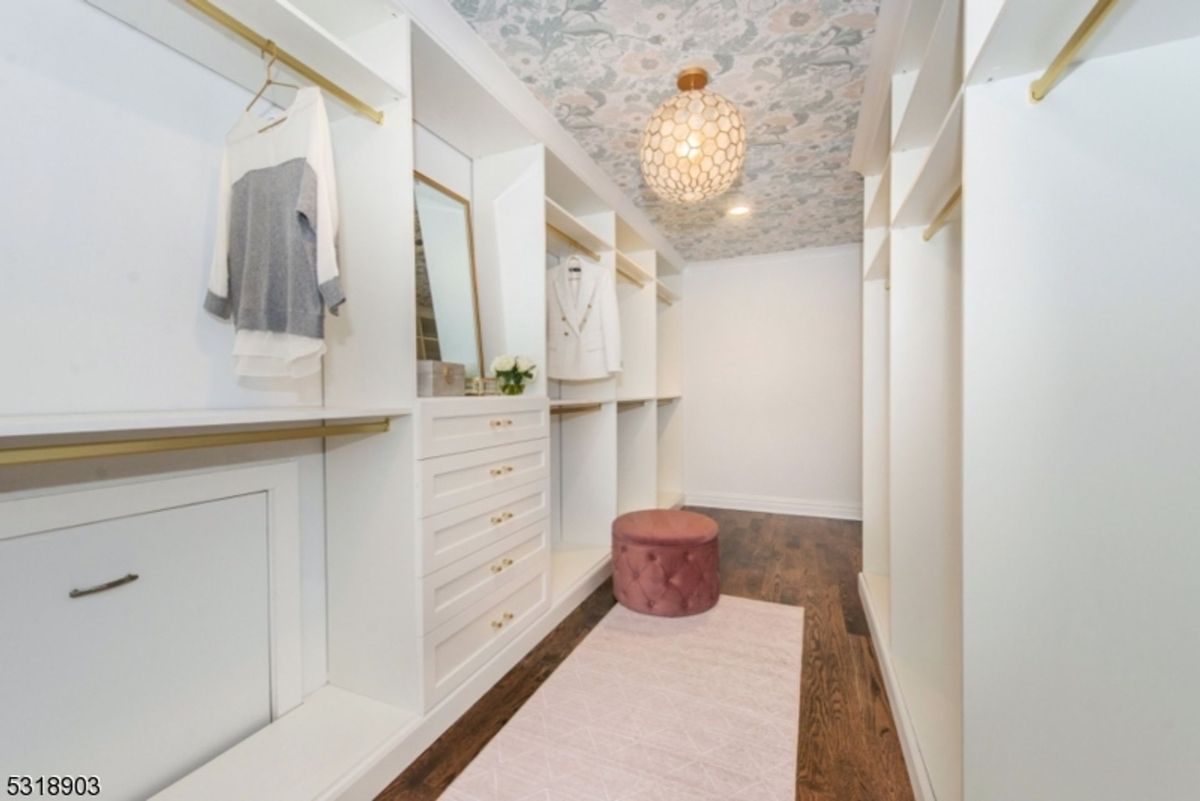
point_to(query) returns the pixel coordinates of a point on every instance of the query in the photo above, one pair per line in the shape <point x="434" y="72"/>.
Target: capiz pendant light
<point x="695" y="143"/>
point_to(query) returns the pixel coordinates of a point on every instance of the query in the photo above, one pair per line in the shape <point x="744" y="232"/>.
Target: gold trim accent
<point x="692" y="78"/>
<point x="627" y="274"/>
<point x="425" y="179"/>
<point x="943" y="215"/>
<point x="573" y="242"/>
<point x="266" y="45"/>
<point x="130" y="447"/>
<point x="1042" y="86"/>
<point x="583" y="407"/>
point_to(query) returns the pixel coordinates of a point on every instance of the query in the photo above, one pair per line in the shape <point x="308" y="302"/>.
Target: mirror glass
<point x="447" y="307"/>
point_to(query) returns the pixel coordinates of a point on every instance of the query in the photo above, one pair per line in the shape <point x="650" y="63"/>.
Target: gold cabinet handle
<point x="497" y="519"/>
<point x="507" y="616"/>
<point x="506" y="562"/>
<point x="497" y="568"/>
<point x="129" y="578"/>
<point x="507" y="515"/>
<point x="495" y="423"/>
<point x="497" y="625"/>
<point x="508" y="423"/>
<point x="508" y="468"/>
<point x="496" y="471"/>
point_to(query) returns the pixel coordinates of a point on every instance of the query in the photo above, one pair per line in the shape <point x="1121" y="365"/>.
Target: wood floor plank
<point x="848" y="750"/>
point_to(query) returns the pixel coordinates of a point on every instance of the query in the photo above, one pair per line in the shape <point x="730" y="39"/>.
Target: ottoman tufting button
<point x="650" y="604"/>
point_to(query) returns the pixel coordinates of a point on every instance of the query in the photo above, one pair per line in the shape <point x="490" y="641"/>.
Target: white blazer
<point x="584" y="338"/>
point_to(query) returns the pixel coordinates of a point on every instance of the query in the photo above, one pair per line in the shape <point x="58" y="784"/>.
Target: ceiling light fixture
<point x="738" y="211"/>
<point x="695" y="143"/>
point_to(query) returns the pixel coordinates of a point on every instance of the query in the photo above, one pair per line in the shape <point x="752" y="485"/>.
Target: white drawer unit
<point x="485" y="573"/>
<point x="465" y="642"/>
<point x="450" y="481"/>
<point x="456" y="425"/>
<point x="465" y="529"/>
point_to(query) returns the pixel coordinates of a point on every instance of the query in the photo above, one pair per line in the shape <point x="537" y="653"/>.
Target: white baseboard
<point x="918" y="775"/>
<point x="775" y="505"/>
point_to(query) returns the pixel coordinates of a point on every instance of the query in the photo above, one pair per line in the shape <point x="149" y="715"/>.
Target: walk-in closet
<point x="446" y="400"/>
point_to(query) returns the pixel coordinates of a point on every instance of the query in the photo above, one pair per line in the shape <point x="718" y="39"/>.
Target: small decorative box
<point x="438" y="379"/>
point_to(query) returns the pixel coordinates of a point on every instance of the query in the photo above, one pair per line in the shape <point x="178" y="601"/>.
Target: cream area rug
<point x="703" y="708"/>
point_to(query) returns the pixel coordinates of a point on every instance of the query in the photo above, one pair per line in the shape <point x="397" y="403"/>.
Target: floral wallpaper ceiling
<point x="794" y="68"/>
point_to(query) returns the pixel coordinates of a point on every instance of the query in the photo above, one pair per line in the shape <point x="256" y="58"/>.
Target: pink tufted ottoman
<point x="665" y="562"/>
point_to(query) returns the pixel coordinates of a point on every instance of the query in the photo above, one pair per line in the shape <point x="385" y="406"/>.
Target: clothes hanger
<point x="573" y="264"/>
<point x="269" y="82"/>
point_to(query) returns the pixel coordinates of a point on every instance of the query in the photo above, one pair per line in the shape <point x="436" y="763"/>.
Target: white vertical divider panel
<point x="925" y="501"/>
<point x="509" y="215"/>
<point x="670" y="453"/>
<point x="637" y="456"/>
<point x="639" y="331"/>
<point x="373" y="626"/>
<point x="1081" y="433"/>
<point x="876" y="546"/>
<point x="670" y="339"/>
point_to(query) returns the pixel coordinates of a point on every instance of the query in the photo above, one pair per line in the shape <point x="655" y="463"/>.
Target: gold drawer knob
<point x="507" y="616"/>
<point x="507" y="515"/>
<point x="495" y="423"/>
<point x="497" y="568"/>
<point x="508" y="423"/>
<point x="497" y="519"/>
<point x="496" y="471"/>
<point x="497" y="625"/>
<point x="508" y="468"/>
<point x="506" y="562"/>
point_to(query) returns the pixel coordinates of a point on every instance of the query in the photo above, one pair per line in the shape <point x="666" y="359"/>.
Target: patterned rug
<point x="703" y="708"/>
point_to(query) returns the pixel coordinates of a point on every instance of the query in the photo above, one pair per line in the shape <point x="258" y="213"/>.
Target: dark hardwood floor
<point x="848" y="745"/>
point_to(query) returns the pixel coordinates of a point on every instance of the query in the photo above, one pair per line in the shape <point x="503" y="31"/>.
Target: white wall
<point x="1081" y="432"/>
<point x="772" y="382"/>
<point x="107" y="213"/>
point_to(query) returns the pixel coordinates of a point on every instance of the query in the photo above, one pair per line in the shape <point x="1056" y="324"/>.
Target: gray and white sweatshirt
<point x="274" y="267"/>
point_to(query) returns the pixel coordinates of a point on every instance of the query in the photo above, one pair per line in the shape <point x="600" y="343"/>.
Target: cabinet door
<point x="141" y="683"/>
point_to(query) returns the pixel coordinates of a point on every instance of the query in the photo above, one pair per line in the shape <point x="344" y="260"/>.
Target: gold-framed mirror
<point x="448" y="328"/>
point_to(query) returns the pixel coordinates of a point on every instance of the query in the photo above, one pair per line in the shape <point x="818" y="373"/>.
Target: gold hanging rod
<point x="299" y="67"/>
<point x="1042" y="86"/>
<point x="130" y="447"/>
<point x="573" y="242"/>
<point x="664" y="295"/>
<point x="943" y="215"/>
<point x="583" y="407"/>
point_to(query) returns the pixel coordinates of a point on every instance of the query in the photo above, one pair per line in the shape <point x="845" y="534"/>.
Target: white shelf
<point x="581" y="404"/>
<point x="631" y="270"/>
<point x="569" y="224"/>
<point x="880" y="262"/>
<point x="914" y="39"/>
<point x="42" y="425"/>
<point x="877" y="207"/>
<point x="182" y="28"/>
<point x="665" y="294"/>
<point x="669" y="398"/>
<point x="937" y="82"/>
<point x="308" y="753"/>
<point x="1028" y="34"/>
<point x="938" y="176"/>
<point x="571" y="566"/>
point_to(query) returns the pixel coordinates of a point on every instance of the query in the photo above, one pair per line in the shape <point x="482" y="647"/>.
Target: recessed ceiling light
<point x="738" y="211"/>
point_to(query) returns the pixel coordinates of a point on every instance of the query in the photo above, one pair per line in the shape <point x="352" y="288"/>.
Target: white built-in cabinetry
<point x="1027" y="382"/>
<point x="456" y="535"/>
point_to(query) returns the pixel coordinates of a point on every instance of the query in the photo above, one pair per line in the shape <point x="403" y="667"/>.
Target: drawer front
<point x="450" y="481"/>
<point x="466" y="529"/>
<point x="481" y="575"/>
<point x="471" y="638"/>
<point x="458" y="425"/>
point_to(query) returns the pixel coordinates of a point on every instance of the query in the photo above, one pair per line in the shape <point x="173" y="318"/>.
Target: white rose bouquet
<point x="512" y="373"/>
